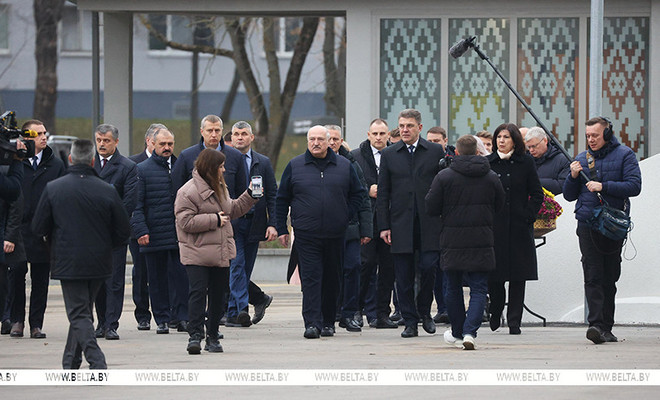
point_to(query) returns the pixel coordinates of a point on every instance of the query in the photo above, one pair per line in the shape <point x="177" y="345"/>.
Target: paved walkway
<point x="277" y="343"/>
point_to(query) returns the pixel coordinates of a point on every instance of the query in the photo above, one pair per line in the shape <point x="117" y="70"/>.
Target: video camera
<point x="9" y="131"/>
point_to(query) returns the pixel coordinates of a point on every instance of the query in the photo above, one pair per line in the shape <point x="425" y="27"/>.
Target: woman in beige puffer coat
<point x="203" y="211"/>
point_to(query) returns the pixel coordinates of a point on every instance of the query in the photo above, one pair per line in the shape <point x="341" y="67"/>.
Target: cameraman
<point x="10" y="189"/>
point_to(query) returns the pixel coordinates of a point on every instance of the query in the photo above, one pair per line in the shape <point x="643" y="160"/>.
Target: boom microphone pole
<point x="464" y="45"/>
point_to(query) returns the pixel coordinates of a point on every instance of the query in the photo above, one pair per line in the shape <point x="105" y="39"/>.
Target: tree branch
<point x="185" y="47"/>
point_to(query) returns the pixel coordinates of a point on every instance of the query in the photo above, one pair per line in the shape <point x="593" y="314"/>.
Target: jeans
<point x="440" y="289"/>
<point x="241" y="267"/>
<point x="462" y="323"/>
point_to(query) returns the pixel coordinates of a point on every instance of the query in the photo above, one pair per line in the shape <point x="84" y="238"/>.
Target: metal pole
<point x="96" y="75"/>
<point x="596" y="59"/>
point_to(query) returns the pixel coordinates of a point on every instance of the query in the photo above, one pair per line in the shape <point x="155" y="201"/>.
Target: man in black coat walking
<point x="120" y="172"/>
<point x="37" y="172"/>
<point x="375" y="255"/>
<point x="406" y="171"/>
<point x="466" y="195"/>
<point x="139" y="274"/>
<point x="81" y="251"/>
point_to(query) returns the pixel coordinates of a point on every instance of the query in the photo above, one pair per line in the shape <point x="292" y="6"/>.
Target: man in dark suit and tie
<point x="375" y="255"/>
<point x="257" y="225"/>
<point x="406" y="171"/>
<point x="119" y="171"/>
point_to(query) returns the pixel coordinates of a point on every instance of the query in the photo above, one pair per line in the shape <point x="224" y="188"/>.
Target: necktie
<point x="103" y="162"/>
<point x="411" y="148"/>
<point x="35" y="162"/>
<point x="247" y="166"/>
<point x="377" y="160"/>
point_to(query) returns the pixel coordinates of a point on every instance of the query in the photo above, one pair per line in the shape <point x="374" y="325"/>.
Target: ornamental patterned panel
<point x="547" y="75"/>
<point x="477" y="96"/>
<point x="625" y="80"/>
<point x="410" y="68"/>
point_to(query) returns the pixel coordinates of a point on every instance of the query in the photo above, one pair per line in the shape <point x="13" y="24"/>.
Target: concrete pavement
<point x="277" y="343"/>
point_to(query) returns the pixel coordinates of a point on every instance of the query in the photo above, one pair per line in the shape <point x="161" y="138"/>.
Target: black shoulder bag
<point x="605" y="219"/>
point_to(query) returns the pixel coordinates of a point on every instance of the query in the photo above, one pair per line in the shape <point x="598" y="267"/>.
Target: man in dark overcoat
<point x="406" y="171"/>
<point x="81" y="251"/>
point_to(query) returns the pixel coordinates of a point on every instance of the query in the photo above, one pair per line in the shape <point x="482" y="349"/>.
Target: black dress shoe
<point x="17" y="329"/>
<point x="260" y="309"/>
<point x="162" y="328"/>
<point x="349" y="324"/>
<point x="223" y="320"/>
<point x="328" y="331"/>
<point x="111" y="334"/>
<point x="396" y="316"/>
<point x="36" y="333"/>
<point x="609" y="337"/>
<point x="410" y="331"/>
<point x="494" y="322"/>
<point x="99" y="332"/>
<point x="243" y="318"/>
<point x="428" y="324"/>
<point x="385" y="323"/>
<point x="144" y="326"/>
<point x="595" y="335"/>
<point x="6" y="327"/>
<point x="182" y="327"/>
<point x="514" y="330"/>
<point x="374" y="322"/>
<point x="441" y="318"/>
<point x="312" y="332"/>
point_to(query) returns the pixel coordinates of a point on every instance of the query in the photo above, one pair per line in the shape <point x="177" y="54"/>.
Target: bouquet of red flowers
<point x="550" y="209"/>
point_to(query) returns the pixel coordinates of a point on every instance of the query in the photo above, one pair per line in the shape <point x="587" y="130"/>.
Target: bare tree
<point x="47" y="14"/>
<point x="270" y="122"/>
<point x="335" y="71"/>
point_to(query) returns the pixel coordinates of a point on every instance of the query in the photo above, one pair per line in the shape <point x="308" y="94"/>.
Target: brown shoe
<point x="17" y="329"/>
<point x="36" y="333"/>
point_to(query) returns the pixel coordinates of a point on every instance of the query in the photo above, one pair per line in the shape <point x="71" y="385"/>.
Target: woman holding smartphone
<point x="203" y="210"/>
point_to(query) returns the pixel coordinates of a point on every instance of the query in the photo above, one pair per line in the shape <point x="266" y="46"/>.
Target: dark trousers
<point x="350" y="282"/>
<point x="211" y="282"/>
<point x="255" y="294"/>
<point x="110" y="299"/>
<point x="376" y="256"/>
<point x="40" y="276"/>
<point x="140" y="283"/>
<point x="440" y="289"/>
<point x="161" y="265"/>
<point x="4" y="290"/>
<point x="79" y="298"/>
<point x="462" y="322"/>
<point x="601" y="265"/>
<point x="514" y="305"/>
<point x="404" y="270"/>
<point x="319" y="262"/>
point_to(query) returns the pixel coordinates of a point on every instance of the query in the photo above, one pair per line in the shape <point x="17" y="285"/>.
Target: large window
<point x="76" y="30"/>
<point x="181" y="29"/>
<point x="4" y="28"/>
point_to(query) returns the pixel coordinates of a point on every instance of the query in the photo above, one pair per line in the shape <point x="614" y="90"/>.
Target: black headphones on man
<point x="607" y="133"/>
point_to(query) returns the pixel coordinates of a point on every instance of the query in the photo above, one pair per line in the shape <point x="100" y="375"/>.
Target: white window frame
<point x="81" y="33"/>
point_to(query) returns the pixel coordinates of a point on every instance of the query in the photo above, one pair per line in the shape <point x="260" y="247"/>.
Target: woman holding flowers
<point x="515" y="251"/>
